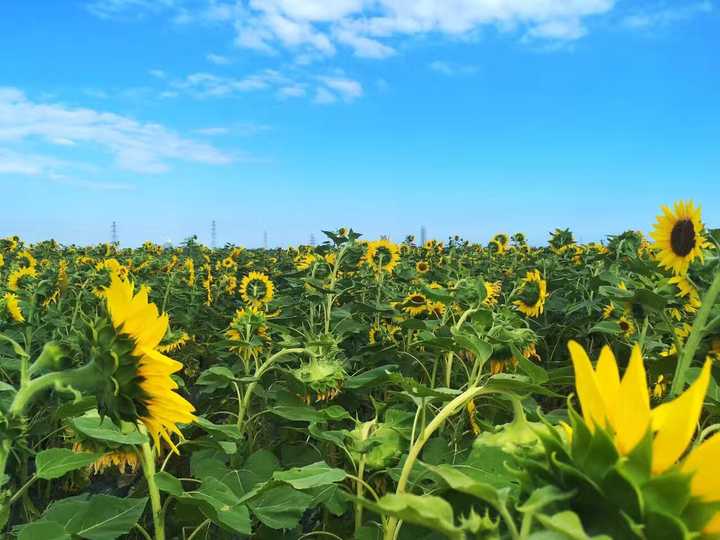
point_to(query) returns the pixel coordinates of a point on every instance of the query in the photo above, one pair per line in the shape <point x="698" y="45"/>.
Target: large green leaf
<point x="43" y="530"/>
<point x="55" y="462"/>
<point x="280" y="507"/>
<point x="105" y="430"/>
<point x="106" y="517"/>
<point x="426" y="510"/>
<point x="310" y="476"/>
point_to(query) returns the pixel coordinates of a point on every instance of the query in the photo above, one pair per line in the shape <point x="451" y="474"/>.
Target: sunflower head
<point x="382" y="255"/>
<point x="135" y="383"/>
<point x="256" y="289"/>
<point x="321" y="377"/>
<point x="634" y="458"/>
<point x="532" y="294"/>
<point x="422" y="267"/>
<point x="415" y="303"/>
<point x="678" y="235"/>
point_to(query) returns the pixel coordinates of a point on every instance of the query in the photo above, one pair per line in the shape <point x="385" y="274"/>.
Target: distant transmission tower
<point x="312" y="239"/>
<point x="213" y="235"/>
<point x="114" y="233"/>
<point x="423" y="235"/>
<point x="265" y="243"/>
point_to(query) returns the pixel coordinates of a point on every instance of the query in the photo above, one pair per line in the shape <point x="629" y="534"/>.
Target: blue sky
<point x="289" y="116"/>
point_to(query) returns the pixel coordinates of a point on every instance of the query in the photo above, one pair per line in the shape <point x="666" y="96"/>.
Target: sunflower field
<point x="365" y="390"/>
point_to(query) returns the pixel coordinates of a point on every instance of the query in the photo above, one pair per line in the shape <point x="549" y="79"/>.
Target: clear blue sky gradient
<point x="468" y="133"/>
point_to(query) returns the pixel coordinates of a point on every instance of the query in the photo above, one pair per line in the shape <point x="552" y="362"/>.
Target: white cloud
<point x="665" y="16"/>
<point x="323" y="96"/>
<point x="292" y="90"/>
<point x="135" y="146"/>
<point x="52" y="169"/>
<point x="347" y="88"/>
<point x="364" y="25"/>
<point x="451" y="69"/>
<point x="158" y="73"/>
<point x="205" y="85"/>
<point x="114" y="8"/>
<point x="212" y="131"/>
<point x="218" y="59"/>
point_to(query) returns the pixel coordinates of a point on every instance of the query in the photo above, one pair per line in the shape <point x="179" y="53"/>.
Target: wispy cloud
<point x="347" y="89"/>
<point x="135" y="146"/>
<point x="314" y="29"/>
<point x="54" y="170"/>
<point x="666" y="15"/>
<point x="218" y="59"/>
<point x="452" y="69"/>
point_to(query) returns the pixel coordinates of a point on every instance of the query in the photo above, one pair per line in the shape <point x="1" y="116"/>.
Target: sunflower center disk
<point x="682" y="237"/>
<point x="530" y="293"/>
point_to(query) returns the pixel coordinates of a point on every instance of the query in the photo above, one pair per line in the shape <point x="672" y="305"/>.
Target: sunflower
<point x="256" y="289"/>
<point x="622" y="408"/>
<point x="415" y="303"/>
<point x="16" y="276"/>
<point x="229" y="263"/>
<point x="492" y="292"/>
<point x="189" y="265"/>
<point x="13" y="306"/>
<point x="304" y="261"/>
<point x="678" y="237"/>
<point x="142" y="380"/>
<point x="382" y="255"/>
<point x="422" y="267"/>
<point x="175" y="344"/>
<point x="627" y="327"/>
<point x="532" y="294"/>
<point x="124" y="459"/>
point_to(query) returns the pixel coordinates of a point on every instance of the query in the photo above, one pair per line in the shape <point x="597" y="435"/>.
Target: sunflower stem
<point x="245" y="403"/>
<point x="696" y="335"/>
<point x="148" y="465"/>
<point x="446" y="412"/>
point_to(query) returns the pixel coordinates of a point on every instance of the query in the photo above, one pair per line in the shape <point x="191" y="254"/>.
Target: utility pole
<point x="423" y="235"/>
<point x="114" y="233"/>
<point x="213" y="235"/>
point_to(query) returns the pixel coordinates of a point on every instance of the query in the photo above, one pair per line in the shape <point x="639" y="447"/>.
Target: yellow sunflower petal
<point x="680" y="418"/>
<point x="591" y="400"/>
<point x="633" y="413"/>
<point x="702" y="463"/>
<point x="608" y="379"/>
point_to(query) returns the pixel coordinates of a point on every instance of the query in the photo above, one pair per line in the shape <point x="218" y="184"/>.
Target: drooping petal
<point x="586" y="384"/>
<point x="633" y="413"/>
<point x="678" y="422"/>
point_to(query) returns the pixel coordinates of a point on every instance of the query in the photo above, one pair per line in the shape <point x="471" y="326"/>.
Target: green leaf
<point x="43" y="530"/>
<point x="310" y="476"/>
<point x="542" y="497"/>
<point x="223" y="431"/>
<point x="569" y="524"/>
<point x="463" y="483"/>
<point x="259" y="467"/>
<point x="426" y="510"/>
<point x="168" y="483"/>
<point x="222" y="505"/>
<point x="105" y="430"/>
<point x="55" y="462"/>
<point x="650" y="300"/>
<point x="606" y="327"/>
<point x="370" y="378"/>
<point x="280" y="507"/>
<point x="106" y="517"/>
